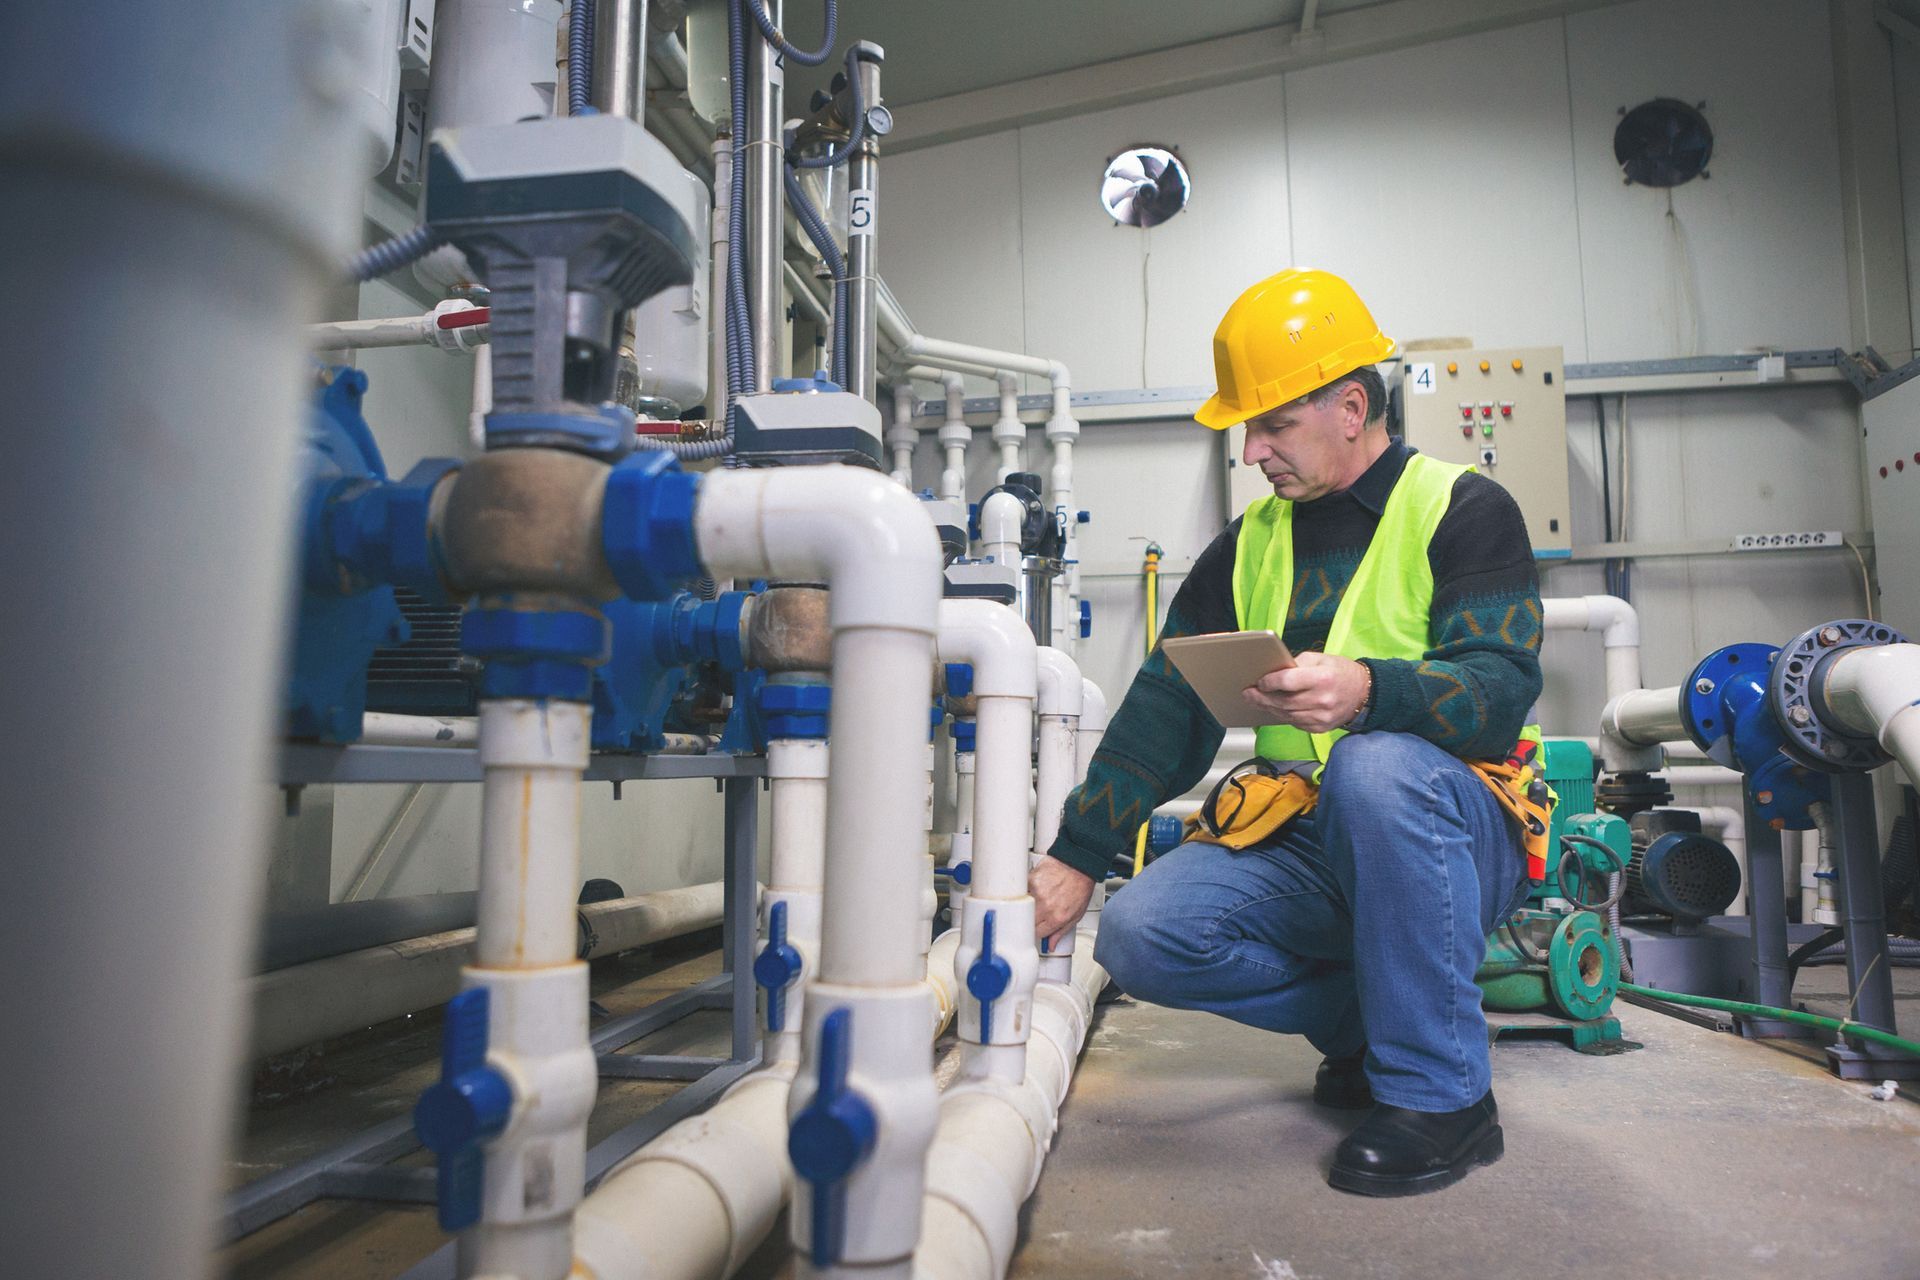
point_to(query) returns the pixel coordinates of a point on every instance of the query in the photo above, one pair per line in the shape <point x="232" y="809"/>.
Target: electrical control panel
<point x="1505" y="413"/>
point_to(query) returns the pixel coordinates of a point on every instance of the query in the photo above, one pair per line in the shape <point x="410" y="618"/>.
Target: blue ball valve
<point x="988" y="977"/>
<point x="831" y="1137"/>
<point x="466" y="1107"/>
<point x="777" y="967"/>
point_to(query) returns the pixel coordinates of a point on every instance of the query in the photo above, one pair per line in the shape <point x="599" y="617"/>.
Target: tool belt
<point x="1259" y="797"/>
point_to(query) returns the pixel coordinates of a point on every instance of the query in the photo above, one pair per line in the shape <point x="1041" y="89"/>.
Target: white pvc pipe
<point x="994" y="1136"/>
<point x="1826" y="905"/>
<point x="902" y="435"/>
<point x="995" y="641"/>
<point x="1875" y="691"/>
<point x="1616" y="622"/>
<point x="480" y="401"/>
<point x="1009" y="433"/>
<point x="871" y="542"/>
<point x="1703" y="775"/>
<point x="387" y="729"/>
<point x="955" y="436"/>
<point x="429" y="330"/>
<point x="695" y="1202"/>
<point x="1001" y="516"/>
<point x="1062" y="698"/>
<point x="1092" y="728"/>
<point x="797" y="805"/>
<point x="532" y="754"/>
<point x="304" y="1003"/>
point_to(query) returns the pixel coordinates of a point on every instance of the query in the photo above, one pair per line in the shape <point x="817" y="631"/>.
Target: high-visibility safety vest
<point x="1386" y="610"/>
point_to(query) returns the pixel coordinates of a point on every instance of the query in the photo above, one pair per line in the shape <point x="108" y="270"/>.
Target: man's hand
<point x="1060" y="897"/>
<point x="1319" y="693"/>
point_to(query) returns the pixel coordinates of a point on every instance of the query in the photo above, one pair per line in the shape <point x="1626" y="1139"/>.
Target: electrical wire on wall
<point x="1619" y="573"/>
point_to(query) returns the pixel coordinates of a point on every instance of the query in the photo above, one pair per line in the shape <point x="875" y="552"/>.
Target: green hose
<point x="1784" y="1015"/>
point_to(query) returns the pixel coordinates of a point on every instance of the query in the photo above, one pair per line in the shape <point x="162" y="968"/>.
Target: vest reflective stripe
<point x="1387" y="608"/>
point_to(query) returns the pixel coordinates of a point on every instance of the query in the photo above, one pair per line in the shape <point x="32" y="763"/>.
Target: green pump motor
<point x="1561" y="962"/>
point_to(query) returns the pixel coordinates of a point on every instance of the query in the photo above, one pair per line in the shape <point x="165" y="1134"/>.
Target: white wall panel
<point x="1093" y="289"/>
<point x="1906" y="97"/>
<point x="1755" y="255"/>
<point x="1438" y="179"/>
<point x="950" y="242"/>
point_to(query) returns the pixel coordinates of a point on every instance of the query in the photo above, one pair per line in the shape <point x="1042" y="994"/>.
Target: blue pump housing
<point x="339" y="621"/>
<point x="659" y="650"/>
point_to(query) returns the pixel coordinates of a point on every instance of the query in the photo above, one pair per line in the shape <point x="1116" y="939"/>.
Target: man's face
<point x="1306" y="451"/>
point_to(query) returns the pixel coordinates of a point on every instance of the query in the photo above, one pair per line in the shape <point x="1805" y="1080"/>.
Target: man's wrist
<point x="1359" y="715"/>
<point x="1086" y="862"/>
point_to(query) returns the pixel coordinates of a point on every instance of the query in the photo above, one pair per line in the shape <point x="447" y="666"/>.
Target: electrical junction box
<point x="1503" y="411"/>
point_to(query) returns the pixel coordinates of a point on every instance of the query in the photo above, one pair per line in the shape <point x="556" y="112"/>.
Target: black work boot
<point x="1341" y="1083"/>
<point x="1396" y="1152"/>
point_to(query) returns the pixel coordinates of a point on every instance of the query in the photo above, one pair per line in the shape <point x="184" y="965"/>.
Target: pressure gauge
<point x="879" y="121"/>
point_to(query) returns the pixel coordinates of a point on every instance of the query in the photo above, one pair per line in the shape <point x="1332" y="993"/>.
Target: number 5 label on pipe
<point x="860" y="212"/>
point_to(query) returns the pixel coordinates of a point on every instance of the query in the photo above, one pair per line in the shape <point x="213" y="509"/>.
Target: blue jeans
<point x="1359" y="924"/>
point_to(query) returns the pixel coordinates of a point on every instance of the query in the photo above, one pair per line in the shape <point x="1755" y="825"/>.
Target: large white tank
<point x="663" y="366"/>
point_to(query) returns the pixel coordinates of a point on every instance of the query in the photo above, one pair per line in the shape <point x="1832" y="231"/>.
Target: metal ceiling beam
<point x="1334" y="37"/>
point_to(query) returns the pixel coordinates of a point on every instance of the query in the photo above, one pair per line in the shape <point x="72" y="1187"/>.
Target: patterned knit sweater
<point x="1469" y="695"/>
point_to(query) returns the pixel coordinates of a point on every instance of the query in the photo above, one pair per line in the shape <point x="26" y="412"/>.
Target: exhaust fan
<point x="1663" y="143"/>
<point x="1144" y="186"/>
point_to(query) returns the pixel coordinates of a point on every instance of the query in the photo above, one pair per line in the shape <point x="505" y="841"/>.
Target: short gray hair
<point x="1371" y="385"/>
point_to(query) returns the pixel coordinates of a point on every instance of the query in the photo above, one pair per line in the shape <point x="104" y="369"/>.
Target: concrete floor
<point x="1189" y="1147"/>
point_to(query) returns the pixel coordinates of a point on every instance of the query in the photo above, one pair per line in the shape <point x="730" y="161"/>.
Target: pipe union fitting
<point x="528" y="521"/>
<point x="788" y="630"/>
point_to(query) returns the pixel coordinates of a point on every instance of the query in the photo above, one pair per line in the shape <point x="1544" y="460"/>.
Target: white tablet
<point x="1219" y="666"/>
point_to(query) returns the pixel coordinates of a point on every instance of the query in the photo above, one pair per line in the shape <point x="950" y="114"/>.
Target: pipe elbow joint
<point x="995" y="642"/>
<point x="1060" y="690"/>
<point x="1093" y="707"/>
<point x="1617" y="621"/>
<point x="865" y="535"/>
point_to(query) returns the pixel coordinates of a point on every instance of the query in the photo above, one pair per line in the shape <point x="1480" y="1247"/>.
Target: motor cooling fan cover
<point x="1144" y="186"/>
<point x="1663" y="143"/>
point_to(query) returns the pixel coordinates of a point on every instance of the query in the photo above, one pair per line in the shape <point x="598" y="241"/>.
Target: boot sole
<point x="1359" y="1182"/>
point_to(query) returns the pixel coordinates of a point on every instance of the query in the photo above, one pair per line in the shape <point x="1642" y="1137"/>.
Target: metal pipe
<point x="620" y="57"/>
<point x="717" y="262"/>
<point x="1634" y="724"/>
<point x="301" y="937"/>
<point x="765" y="200"/>
<point x="305" y="1003"/>
<point x="863" y="176"/>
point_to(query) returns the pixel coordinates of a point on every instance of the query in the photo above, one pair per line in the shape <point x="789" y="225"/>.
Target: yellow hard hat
<point x="1288" y="335"/>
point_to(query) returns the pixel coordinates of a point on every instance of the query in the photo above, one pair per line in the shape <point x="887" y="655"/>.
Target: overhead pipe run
<point x="955" y="436"/>
<point x="1616" y="622"/>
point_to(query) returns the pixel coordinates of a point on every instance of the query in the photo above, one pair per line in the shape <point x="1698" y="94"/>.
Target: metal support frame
<point x="360" y="1168"/>
<point x="1863" y="906"/>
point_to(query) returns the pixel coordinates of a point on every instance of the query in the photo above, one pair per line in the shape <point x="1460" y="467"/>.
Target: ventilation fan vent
<point x="1144" y="186"/>
<point x="1663" y="143"/>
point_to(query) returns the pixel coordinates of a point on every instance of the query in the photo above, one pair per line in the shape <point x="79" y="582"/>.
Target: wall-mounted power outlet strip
<point x="1790" y="541"/>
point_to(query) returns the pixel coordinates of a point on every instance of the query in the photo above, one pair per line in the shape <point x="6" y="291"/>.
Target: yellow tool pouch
<point x="1254" y="800"/>
<point x="1524" y="794"/>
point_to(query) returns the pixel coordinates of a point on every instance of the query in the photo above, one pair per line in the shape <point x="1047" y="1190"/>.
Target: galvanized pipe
<point x="863" y="177"/>
<point x="766" y="211"/>
<point x="620" y="57"/>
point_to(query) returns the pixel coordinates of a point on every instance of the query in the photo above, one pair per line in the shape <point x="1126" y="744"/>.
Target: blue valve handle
<point x="987" y="978"/>
<point x="961" y="873"/>
<point x="830" y="1138"/>
<point x="776" y="967"/>
<point x="469" y="1104"/>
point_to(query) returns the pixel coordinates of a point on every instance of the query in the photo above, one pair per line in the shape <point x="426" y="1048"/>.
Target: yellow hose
<point x="1151" y="571"/>
<point x="1140" y="850"/>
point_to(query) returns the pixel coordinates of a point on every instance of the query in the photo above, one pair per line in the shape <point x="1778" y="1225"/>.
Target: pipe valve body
<point x="571" y="222"/>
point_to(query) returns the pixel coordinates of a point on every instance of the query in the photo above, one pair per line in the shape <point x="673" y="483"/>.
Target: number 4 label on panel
<point x="860" y="212"/>
<point x="1420" y="379"/>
